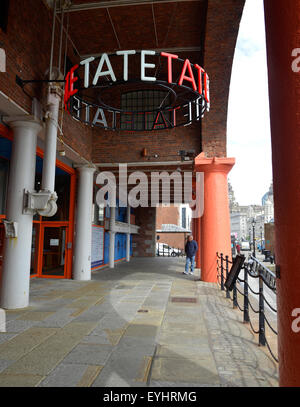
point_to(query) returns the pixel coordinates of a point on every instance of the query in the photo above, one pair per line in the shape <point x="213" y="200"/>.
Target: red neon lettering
<point x="69" y="85"/>
<point x="159" y="124"/>
<point x="170" y="57"/>
<point x="174" y="115"/>
<point x="200" y="71"/>
<point x="183" y="77"/>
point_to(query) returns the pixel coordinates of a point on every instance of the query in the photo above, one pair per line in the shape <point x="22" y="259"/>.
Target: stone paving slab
<point x="20" y="380"/>
<point x="47" y="355"/>
<point x="71" y="375"/>
<point x="83" y="334"/>
<point x="18" y="326"/>
<point x="58" y="320"/>
<point x="35" y="316"/>
<point x="4" y="364"/>
<point x="4" y="336"/>
<point x="124" y="369"/>
<point x="89" y="354"/>
<point x="24" y="343"/>
<point x="184" y="369"/>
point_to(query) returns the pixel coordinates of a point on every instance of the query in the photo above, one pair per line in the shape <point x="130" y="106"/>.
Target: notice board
<point x="97" y="246"/>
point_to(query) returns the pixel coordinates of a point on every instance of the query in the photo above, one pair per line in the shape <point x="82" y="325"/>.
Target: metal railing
<point x="255" y="269"/>
<point x="169" y="252"/>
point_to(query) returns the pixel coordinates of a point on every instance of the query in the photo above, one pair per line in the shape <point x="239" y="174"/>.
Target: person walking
<point x="191" y="248"/>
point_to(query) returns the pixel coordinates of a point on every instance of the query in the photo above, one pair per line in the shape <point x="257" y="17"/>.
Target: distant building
<point x="238" y="222"/>
<point x="241" y="216"/>
<point x="173" y="224"/>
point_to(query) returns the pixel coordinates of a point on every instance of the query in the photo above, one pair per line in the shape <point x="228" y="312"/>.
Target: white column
<point x="128" y="235"/>
<point x="83" y="226"/>
<point x="17" y="251"/>
<point x="112" y="235"/>
<point x="49" y="162"/>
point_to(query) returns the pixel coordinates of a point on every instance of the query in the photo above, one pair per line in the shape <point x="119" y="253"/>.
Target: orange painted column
<point x="198" y="240"/>
<point x="193" y="228"/>
<point x="282" y="35"/>
<point x="215" y="222"/>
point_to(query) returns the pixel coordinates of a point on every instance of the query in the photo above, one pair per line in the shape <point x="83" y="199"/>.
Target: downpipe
<point x="43" y="202"/>
<point x="49" y="164"/>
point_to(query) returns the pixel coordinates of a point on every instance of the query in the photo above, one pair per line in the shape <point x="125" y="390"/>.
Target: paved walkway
<point x="142" y="324"/>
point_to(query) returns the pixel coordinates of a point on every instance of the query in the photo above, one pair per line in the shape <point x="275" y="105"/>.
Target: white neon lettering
<point x="144" y="66"/>
<point x="125" y="66"/>
<point x="86" y="63"/>
<point x="104" y="58"/>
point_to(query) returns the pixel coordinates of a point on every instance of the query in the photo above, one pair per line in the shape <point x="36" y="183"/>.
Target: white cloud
<point x="248" y="130"/>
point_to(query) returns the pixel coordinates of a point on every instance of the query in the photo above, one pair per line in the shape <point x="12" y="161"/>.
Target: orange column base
<point x="215" y="222"/>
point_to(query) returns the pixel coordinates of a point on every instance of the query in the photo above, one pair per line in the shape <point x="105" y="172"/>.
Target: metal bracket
<point x="22" y="82"/>
<point x="42" y="202"/>
<point x="11" y="229"/>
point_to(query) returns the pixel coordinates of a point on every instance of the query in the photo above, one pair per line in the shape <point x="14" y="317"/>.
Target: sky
<point x="248" y="126"/>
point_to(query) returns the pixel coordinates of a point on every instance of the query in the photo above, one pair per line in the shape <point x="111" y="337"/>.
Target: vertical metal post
<point x="222" y="273"/>
<point x="234" y="292"/>
<point x="246" y="299"/>
<point x="227" y="291"/>
<point x="52" y="41"/>
<point x="253" y="231"/>
<point x="262" y="338"/>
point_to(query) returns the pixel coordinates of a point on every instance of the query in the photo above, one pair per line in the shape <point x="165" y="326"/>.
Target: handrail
<point x="255" y="269"/>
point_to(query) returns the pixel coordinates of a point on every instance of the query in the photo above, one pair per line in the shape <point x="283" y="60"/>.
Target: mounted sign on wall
<point x="95" y="89"/>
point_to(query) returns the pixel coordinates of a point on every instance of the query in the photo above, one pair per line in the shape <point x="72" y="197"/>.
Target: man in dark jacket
<point x="191" y="248"/>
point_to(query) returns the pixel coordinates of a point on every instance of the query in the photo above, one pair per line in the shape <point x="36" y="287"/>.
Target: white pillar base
<point x="14" y="292"/>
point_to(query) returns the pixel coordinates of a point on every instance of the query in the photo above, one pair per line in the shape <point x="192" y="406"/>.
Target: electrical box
<point x="11" y="228"/>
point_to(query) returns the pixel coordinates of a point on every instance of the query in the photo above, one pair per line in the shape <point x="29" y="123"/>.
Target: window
<point x="4" y="4"/>
<point x="183" y="218"/>
<point x="142" y="101"/>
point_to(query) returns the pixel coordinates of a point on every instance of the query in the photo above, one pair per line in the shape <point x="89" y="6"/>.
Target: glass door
<point x="54" y="251"/>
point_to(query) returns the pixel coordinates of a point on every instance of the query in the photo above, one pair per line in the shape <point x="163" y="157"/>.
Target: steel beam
<point x="118" y="3"/>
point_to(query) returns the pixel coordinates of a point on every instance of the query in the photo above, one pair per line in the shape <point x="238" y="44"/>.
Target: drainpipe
<point x="49" y="164"/>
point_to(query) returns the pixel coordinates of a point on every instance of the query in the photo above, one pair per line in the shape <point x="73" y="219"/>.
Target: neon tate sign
<point x="189" y="91"/>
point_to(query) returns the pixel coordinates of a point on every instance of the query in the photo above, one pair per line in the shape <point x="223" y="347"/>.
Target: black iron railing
<point x="255" y="269"/>
<point x="167" y="251"/>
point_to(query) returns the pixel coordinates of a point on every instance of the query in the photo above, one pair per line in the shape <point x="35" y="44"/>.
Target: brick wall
<point x="27" y="44"/>
<point x="124" y="146"/>
<point x="176" y="240"/>
<point x="143" y="244"/>
<point x="223" y="18"/>
<point x="167" y="215"/>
